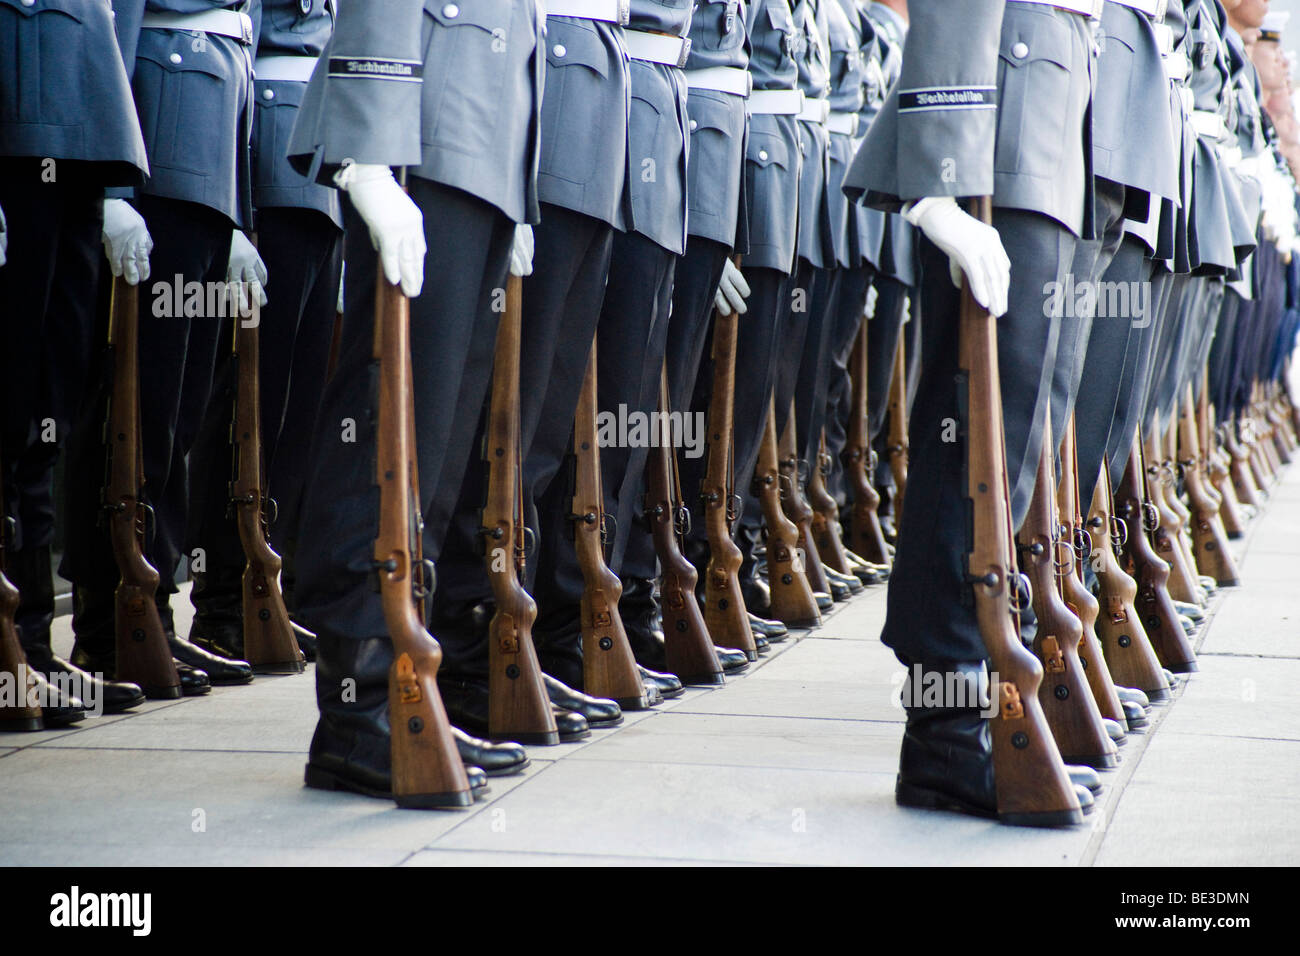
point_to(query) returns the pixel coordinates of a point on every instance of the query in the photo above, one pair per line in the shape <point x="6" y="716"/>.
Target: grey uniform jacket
<point x="1210" y="238"/>
<point x="298" y="28"/>
<point x="848" y="75"/>
<point x="63" y="91"/>
<point x="992" y="100"/>
<point x="870" y="223"/>
<point x="584" y="118"/>
<point x="449" y="88"/>
<point x="816" y="242"/>
<point x="657" y="131"/>
<point x="1132" y="139"/>
<point x="192" y="93"/>
<point x="772" y="153"/>
<point x="715" y="173"/>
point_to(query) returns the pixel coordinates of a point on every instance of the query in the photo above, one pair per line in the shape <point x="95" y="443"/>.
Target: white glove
<point x="395" y="221"/>
<point x="973" y="248"/>
<point x="521" y="252"/>
<point x="732" y="290"/>
<point x="4" y="237"/>
<point x="126" y="241"/>
<point x="246" y="273"/>
<point x="873" y="294"/>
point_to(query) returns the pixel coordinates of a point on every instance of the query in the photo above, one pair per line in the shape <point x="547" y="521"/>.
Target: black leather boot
<point x="774" y="631"/>
<point x="218" y="625"/>
<point x="495" y="760"/>
<point x="220" y="670"/>
<point x="95" y="649"/>
<point x="753" y="586"/>
<point x="352" y="748"/>
<point x="466" y="701"/>
<point x="30" y="571"/>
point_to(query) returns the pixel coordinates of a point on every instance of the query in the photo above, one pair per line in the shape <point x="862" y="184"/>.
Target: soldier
<point x="451" y="93"/>
<point x="941" y="136"/>
<point x="191" y="75"/>
<point x="300" y="238"/>
<point x="69" y="131"/>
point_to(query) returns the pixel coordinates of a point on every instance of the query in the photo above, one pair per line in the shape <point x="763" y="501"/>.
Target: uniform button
<point x="451" y="11"/>
<point x="1020" y="51"/>
<point x="559" y="49"/>
<point x="694" y="124"/>
<point x="175" y="58"/>
<point x="28" y="3"/>
<point x="268" y="94"/>
<point x="762" y="154"/>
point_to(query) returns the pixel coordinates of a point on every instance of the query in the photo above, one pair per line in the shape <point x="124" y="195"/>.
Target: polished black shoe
<point x="1192" y="612"/>
<point x="839" y="591"/>
<point x="848" y="581"/>
<point x="1134" y="716"/>
<point x="495" y="760"/>
<point x="732" y="660"/>
<point x="221" y="671"/>
<point x="194" y="680"/>
<point x="1114" y="729"/>
<point x="761" y="644"/>
<point x="774" y="631"/>
<point x="824" y="601"/>
<point x="352" y="748"/>
<point x="306" y="641"/>
<point x="1083" y="776"/>
<point x="466" y="702"/>
<point x="666" y="685"/>
<point x="599" y="712"/>
<point x="58" y="708"/>
<point x="112" y="697"/>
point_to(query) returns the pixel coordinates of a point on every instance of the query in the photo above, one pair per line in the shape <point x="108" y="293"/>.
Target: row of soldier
<point x="678" y="207"/>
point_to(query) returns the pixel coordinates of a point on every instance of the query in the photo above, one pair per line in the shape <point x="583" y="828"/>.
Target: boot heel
<point x="21" y="725"/>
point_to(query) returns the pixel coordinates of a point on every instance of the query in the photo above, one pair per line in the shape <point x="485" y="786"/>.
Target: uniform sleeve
<point x="363" y="102"/>
<point x="936" y="133"/>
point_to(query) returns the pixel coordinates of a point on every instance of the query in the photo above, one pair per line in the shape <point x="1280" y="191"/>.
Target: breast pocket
<point x="272" y="128"/>
<point x="469" y="54"/>
<point x="186" y="100"/>
<point x="724" y="27"/>
<point x="1034" y="85"/>
<point x="711" y="120"/>
<point x="577" y="68"/>
<point x="770" y="170"/>
<point x="45" y="94"/>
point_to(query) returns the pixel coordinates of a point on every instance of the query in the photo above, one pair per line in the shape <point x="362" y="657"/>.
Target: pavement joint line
<point x="745" y="766"/>
<point x="706" y="861"/>
<point x="491" y="798"/>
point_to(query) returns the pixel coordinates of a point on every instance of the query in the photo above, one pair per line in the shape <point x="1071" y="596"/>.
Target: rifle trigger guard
<point x="682" y="520"/>
<point x="1118" y="531"/>
<point x="530" y="541"/>
<point x="874" y="461"/>
<point x="1022" y="595"/>
<point x="428" y="579"/>
<point x="1082" y="543"/>
<point x="272" y="512"/>
<point x="734" y="503"/>
<point x="1062" y="567"/>
<point x="1150" y="516"/>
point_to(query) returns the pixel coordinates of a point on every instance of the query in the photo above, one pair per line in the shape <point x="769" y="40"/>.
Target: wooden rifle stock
<point x="724" y="607"/>
<point x="270" y="646"/>
<point x="1155" y="607"/>
<point x="1064" y="694"/>
<point x="898" y="446"/>
<point x="866" y="536"/>
<point x="23" y="712"/>
<point x="143" y="656"/>
<point x="1181" y="583"/>
<point x="796" y="506"/>
<point x="1243" y="481"/>
<point x="1209" y="538"/>
<point x="1073" y="591"/>
<point x="427" y="769"/>
<point x="608" y="667"/>
<point x="1216" y="469"/>
<point x="688" y="649"/>
<point x="1030" y="777"/>
<point x="519" y="708"/>
<point x="793" y="603"/>
<point x="827" y="532"/>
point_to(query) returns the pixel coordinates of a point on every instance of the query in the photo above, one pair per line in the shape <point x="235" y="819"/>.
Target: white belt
<point x="724" y="79"/>
<point x="1164" y="38"/>
<point x="815" y="111"/>
<point x="296" y="69"/>
<point x="1155" y="9"/>
<point x="780" y="102"/>
<point x="657" y="48"/>
<point x="226" y="23"/>
<point x="611" y="11"/>
<point x="1177" y="66"/>
<point x="1089" y="8"/>
<point x="845" y="123"/>
<point x="1188" y="99"/>
<point x="1208" y="123"/>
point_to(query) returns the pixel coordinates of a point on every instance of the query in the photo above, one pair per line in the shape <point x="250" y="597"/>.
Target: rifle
<point x="1032" y="785"/>
<point x="270" y="646"/>
<point x="1243" y="481"/>
<point x="1064" y="694"/>
<point x="143" y="655"/>
<point x="793" y="603"/>
<point x="519" y="708"/>
<point x="867" y="538"/>
<point x="608" y="667"/>
<point x="1182" y="585"/>
<point x="796" y="506"/>
<point x="1208" y="535"/>
<point x="827" y="533"/>
<point x="724" y="607"/>
<point x="1129" y="654"/>
<point x="22" y="712"/>
<point x="1076" y="595"/>
<point x="1154" y="605"/>
<point x="688" y="648"/>
<point x="898" y="446"/>
<point x="427" y="769"/>
<point x="1217" y="471"/>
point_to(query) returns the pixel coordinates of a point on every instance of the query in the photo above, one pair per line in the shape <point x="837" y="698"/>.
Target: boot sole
<point x="1096" y="762"/>
<point x="715" y="679"/>
<point x="510" y="771"/>
<point x="318" y="779"/>
<point x="279" y="668"/>
<point x="170" y="692"/>
<point x="21" y="725"/>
